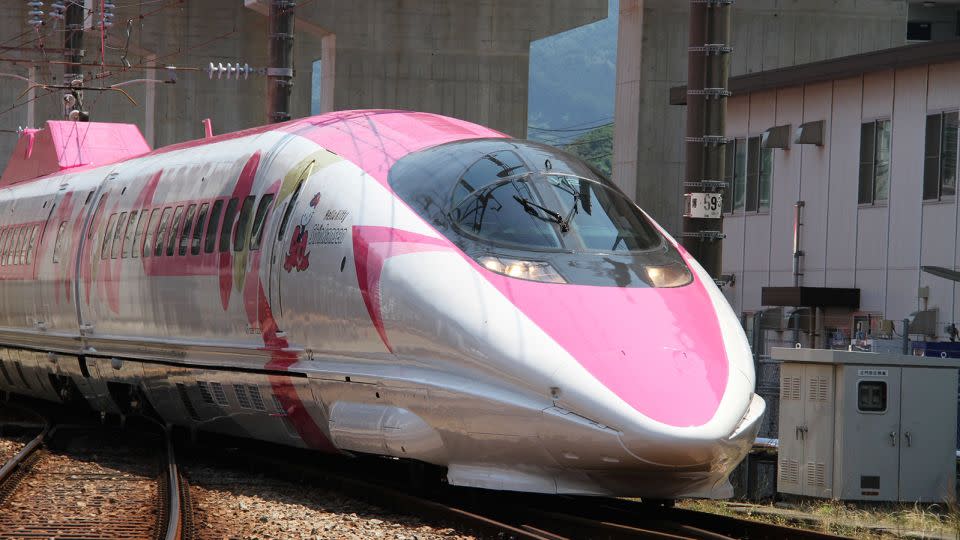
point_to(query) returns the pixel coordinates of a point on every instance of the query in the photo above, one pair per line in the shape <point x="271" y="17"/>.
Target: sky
<point x="557" y="101"/>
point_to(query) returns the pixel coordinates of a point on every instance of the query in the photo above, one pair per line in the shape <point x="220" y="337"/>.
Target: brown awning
<point x="837" y="68"/>
<point x="810" y="297"/>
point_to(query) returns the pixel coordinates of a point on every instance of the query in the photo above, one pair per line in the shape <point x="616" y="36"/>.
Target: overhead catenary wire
<point x="570" y="129"/>
<point x="140" y="66"/>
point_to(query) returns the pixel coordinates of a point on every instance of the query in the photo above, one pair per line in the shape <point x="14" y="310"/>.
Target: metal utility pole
<point x="280" y="72"/>
<point x="707" y="92"/>
<point x="73" y="41"/>
<point x="74" y="53"/>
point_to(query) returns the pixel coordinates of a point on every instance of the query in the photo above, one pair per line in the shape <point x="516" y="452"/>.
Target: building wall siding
<point x="876" y="248"/>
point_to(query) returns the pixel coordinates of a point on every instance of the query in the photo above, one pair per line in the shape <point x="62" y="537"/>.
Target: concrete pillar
<point x="626" y="134"/>
<point x="328" y="78"/>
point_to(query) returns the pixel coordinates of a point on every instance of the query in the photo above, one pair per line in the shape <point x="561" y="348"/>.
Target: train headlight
<point x="668" y="276"/>
<point x="529" y="270"/>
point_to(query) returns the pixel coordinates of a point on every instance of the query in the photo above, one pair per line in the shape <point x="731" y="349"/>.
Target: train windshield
<point x="534" y="212"/>
<point x="553" y="211"/>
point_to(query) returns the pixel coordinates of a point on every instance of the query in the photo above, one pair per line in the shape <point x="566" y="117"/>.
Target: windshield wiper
<point x="565" y="226"/>
<point x="532" y="208"/>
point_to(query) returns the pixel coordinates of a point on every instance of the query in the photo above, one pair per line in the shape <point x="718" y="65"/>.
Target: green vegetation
<point x="595" y="147"/>
<point x="852" y="520"/>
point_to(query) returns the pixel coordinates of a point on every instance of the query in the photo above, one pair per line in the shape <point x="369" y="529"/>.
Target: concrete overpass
<point x="464" y="59"/>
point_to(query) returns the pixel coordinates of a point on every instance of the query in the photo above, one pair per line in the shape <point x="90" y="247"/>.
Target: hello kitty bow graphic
<point x="297" y="255"/>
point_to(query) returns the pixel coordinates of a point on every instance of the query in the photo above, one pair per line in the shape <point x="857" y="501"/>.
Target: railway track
<point x="111" y="495"/>
<point x="513" y="515"/>
<point x="66" y="484"/>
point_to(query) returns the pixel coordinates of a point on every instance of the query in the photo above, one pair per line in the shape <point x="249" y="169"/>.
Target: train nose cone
<point x="659" y="350"/>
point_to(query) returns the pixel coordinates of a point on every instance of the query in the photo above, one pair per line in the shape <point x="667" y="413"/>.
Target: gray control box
<point x="867" y="426"/>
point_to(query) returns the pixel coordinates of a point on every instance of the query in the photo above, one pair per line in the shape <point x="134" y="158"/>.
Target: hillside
<point x="573" y="75"/>
<point x="595" y="147"/>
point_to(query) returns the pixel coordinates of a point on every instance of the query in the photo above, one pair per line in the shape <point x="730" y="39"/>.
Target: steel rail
<point x="623" y="511"/>
<point x="174" y="521"/>
<point x="20" y="457"/>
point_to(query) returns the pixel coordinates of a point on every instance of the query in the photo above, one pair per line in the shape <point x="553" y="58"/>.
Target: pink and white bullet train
<point x="379" y="282"/>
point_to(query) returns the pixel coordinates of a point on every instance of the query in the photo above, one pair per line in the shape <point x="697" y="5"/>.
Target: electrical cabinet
<point x="867" y="426"/>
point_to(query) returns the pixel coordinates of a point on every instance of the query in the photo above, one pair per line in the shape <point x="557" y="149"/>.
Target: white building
<point x="878" y="195"/>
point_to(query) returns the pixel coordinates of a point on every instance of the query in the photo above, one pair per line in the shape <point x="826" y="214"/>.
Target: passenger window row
<point x="17" y="243"/>
<point x="175" y="230"/>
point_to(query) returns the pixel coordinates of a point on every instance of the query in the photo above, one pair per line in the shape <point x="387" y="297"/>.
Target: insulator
<point x="107" y="15"/>
<point x="35" y="13"/>
<point x="229" y="71"/>
<point x="58" y="10"/>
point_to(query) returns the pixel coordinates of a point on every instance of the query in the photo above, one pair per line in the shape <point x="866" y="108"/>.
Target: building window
<point x="940" y="156"/>
<point x="874" y="184"/>
<point x="734" y="197"/>
<point x="759" y="176"/>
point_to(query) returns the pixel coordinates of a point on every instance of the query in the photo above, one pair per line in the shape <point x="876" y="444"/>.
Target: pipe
<point x="280" y="72"/>
<point x="797" y="257"/>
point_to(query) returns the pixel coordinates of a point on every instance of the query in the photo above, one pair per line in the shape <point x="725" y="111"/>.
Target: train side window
<point x="118" y="235"/>
<point x="58" y="243"/>
<point x="18" y="241"/>
<point x="162" y="231"/>
<point x="32" y="244"/>
<point x="12" y="247"/>
<point x="151" y="232"/>
<point x="138" y="234"/>
<point x="228" y="219"/>
<point x="290" y="205"/>
<point x="128" y="235"/>
<point x="174" y="229"/>
<point x="8" y="257"/>
<point x="4" y="240"/>
<point x="211" y="240"/>
<point x="96" y="215"/>
<point x="4" y="234"/>
<point x="107" y="235"/>
<point x="243" y="223"/>
<point x="256" y="235"/>
<point x="6" y="245"/>
<point x="21" y="245"/>
<point x="187" y="228"/>
<point x="198" y="229"/>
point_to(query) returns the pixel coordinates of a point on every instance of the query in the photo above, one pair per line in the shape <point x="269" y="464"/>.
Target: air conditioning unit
<point x="772" y="319"/>
<point x="924" y="323"/>
<point x="777" y="137"/>
<point x="810" y="133"/>
<point x="887" y="329"/>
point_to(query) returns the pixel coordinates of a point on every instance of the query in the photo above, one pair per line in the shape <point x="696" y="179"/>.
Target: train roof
<point x="63" y="145"/>
<point x="373" y="139"/>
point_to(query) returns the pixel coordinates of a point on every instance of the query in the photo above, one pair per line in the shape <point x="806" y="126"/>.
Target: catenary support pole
<point x="73" y="40"/>
<point x="73" y="52"/>
<point x="280" y="72"/>
<point x="707" y="92"/>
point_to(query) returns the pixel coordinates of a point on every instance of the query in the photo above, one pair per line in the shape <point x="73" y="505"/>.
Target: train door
<point x="287" y="251"/>
<point x="55" y="271"/>
<point x="91" y="231"/>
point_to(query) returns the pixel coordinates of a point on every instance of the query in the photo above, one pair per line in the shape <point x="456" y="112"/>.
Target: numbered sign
<point x="703" y="205"/>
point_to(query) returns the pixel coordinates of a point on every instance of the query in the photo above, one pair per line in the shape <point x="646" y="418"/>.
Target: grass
<point x="846" y="519"/>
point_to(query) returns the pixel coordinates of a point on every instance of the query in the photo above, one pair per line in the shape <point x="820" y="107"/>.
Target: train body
<point x="378" y="282"/>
